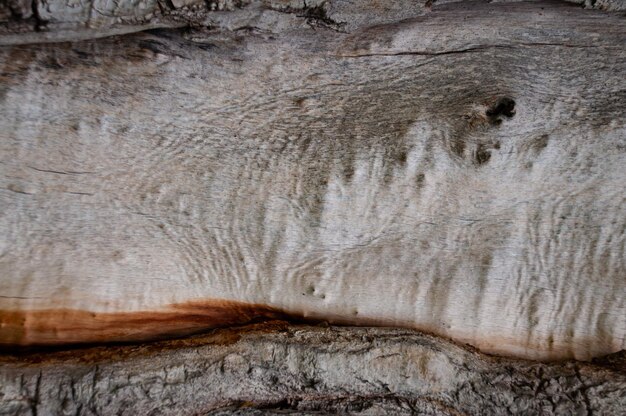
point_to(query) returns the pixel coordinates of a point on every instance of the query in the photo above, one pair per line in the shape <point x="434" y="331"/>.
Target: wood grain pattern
<point x="467" y="181"/>
<point x="66" y="326"/>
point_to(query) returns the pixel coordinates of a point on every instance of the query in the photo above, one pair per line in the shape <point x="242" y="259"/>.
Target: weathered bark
<point x="28" y="21"/>
<point x="466" y="181"/>
<point x="305" y="370"/>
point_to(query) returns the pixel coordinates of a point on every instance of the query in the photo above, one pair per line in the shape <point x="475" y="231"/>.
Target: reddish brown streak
<point x="23" y="330"/>
<point x="70" y="326"/>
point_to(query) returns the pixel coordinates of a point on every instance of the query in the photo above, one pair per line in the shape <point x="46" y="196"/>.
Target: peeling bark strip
<point x="452" y="172"/>
<point x="302" y="370"/>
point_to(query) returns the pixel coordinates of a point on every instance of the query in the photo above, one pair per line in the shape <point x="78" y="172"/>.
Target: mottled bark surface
<point x="276" y="367"/>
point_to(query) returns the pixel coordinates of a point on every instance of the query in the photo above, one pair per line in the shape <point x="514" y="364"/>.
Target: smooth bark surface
<point x="277" y="368"/>
<point x="461" y="171"/>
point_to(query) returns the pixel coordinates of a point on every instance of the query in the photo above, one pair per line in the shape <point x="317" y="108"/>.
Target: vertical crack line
<point x="39" y="22"/>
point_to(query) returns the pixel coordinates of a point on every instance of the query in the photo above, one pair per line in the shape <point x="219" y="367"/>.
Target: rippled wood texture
<point x="452" y="172"/>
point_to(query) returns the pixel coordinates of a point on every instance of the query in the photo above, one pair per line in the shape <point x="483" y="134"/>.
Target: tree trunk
<point x="457" y="168"/>
<point x="277" y="368"/>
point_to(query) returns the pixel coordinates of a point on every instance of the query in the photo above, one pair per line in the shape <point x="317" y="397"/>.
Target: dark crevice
<point x="164" y="6"/>
<point x="60" y="172"/>
<point x="504" y="106"/>
<point x="316" y="16"/>
<point x="461" y="51"/>
<point x="39" y="22"/>
<point x="154" y="46"/>
<point x="169" y="4"/>
<point x="426" y="53"/>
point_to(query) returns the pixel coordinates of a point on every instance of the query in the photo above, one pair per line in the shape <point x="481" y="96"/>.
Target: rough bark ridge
<point x="469" y="183"/>
<point x="27" y="21"/>
<point x="275" y="367"/>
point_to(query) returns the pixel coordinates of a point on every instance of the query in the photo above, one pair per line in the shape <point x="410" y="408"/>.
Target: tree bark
<point x="451" y="167"/>
<point x="28" y="21"/>
<point x="277" y="368"/>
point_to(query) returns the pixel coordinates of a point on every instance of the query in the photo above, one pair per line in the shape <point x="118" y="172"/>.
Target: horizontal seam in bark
<point x="60" y="172"/>
<point x="468" y="50"/>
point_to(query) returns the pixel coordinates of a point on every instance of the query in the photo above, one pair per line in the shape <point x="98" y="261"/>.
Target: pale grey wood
<point x="166" y="182"/>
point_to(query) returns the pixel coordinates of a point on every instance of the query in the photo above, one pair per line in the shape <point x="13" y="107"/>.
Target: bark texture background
<point x="27" y="21"/>
<point x="276" y="368"/>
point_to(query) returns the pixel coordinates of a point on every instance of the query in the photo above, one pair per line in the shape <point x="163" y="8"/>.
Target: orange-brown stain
<point x="70" y="326"/>
<point x="65" y="327"/>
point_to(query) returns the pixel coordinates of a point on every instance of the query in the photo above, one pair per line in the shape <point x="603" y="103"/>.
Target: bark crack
<point x="465" y="50"/>
<point x="423" y="53"/>
<point x="316" y="16"/>
<point x="39" y="22"/>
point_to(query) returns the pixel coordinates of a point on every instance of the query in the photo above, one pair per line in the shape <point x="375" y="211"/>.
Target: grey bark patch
<point x="279" y="368"/>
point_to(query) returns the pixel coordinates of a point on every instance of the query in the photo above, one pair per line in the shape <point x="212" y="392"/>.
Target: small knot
<point x="505" y="106"/>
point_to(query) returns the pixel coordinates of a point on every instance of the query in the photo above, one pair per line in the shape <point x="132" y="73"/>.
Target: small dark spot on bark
<point x="482" y="155"/>
<point x="299" y="101"/>
<point x="419" y="180"/>
<point x="504" y="106"/>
